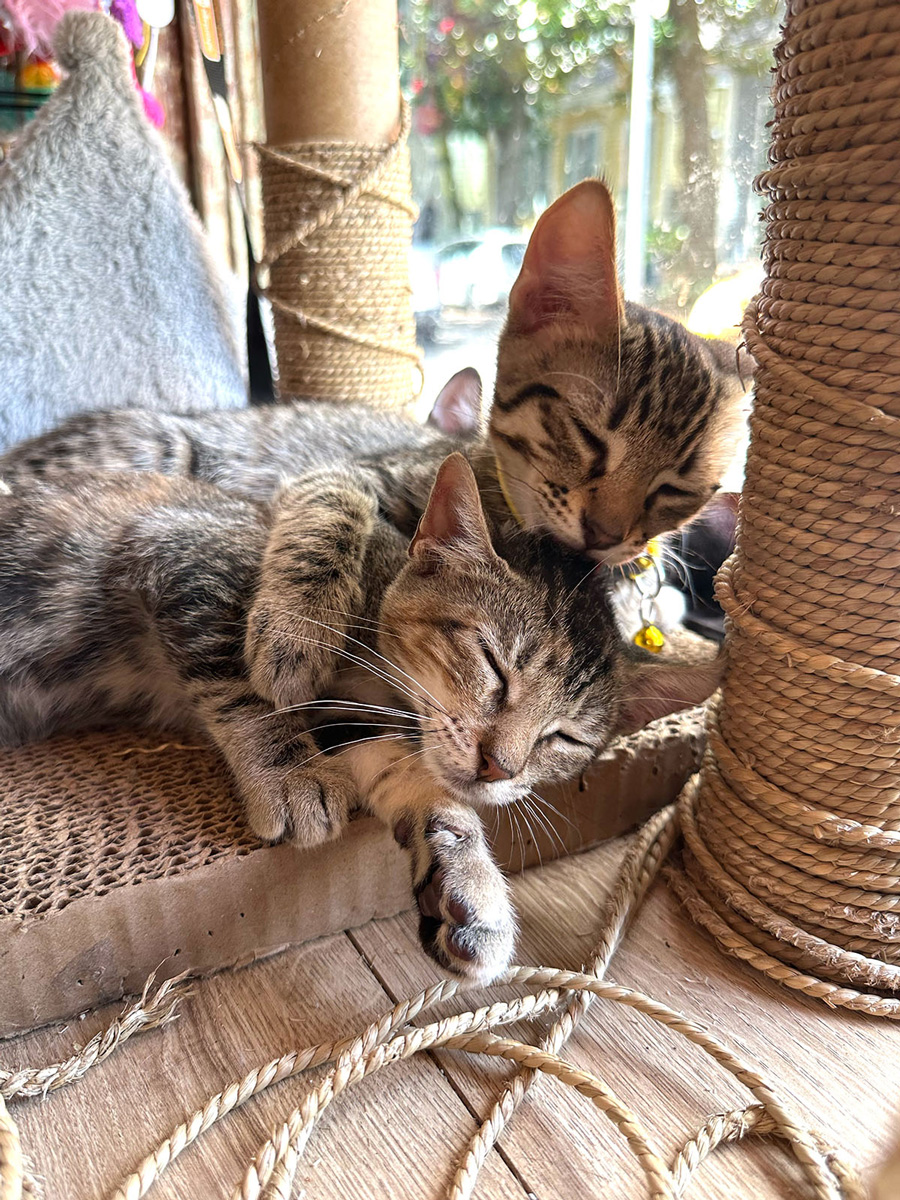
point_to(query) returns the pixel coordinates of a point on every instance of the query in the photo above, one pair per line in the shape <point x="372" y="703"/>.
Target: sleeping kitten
<point x="610" y="423"/>
<point x="136" y="598"/>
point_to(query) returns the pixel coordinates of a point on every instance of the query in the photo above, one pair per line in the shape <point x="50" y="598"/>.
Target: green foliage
<point x="492" y="64"/>
<point x="495" y="64"/>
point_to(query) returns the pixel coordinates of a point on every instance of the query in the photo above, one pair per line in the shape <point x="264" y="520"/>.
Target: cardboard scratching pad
<point x="122" y="854"/>
<point x="109" y="297"/>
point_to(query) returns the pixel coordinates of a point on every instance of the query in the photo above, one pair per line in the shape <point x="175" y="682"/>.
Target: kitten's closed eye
<point x="670" y="492"/>
<point x="559" y="735"/>
<point x="491" y="660"/>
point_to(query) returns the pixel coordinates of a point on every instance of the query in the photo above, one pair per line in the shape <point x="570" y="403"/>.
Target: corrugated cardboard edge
<point x="103" y="947"/>
<point x="234" y="910"/>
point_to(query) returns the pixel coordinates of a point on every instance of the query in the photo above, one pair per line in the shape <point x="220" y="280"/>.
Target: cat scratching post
<point x="792" y="837"/>
<point x="337" y="202"/>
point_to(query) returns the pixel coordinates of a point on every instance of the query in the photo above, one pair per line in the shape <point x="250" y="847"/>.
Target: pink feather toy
<point x="35" y="21"/>
<point x="34" y="24"/>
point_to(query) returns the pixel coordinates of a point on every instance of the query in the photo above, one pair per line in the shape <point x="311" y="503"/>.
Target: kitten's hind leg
<point x="466" y="920"/>
<point x="311" y="584"/>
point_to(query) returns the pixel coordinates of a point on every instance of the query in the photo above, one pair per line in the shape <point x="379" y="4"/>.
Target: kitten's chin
<point x="616" y="556"/>
<point x="480" y="794"/>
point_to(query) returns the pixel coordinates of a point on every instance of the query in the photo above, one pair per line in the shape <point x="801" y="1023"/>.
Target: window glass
<point x="515" y="102"/>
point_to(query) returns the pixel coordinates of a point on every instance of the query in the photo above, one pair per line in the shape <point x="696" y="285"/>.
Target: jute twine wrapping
<point x="563" y="995"/>
<point x="338" y="222"/>
<point x="792" y="836"/>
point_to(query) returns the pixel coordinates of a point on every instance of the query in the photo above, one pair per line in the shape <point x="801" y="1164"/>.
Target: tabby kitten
<point x="611" y="423"/>
<point x="131" y="597"/>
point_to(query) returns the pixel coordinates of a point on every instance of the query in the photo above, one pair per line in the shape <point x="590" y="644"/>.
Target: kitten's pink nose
<point x="599" y="537"/>
<point x="491" y="769"/>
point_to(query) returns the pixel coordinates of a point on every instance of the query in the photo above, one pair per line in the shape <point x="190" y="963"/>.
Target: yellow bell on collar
<point x="646" y="575"/>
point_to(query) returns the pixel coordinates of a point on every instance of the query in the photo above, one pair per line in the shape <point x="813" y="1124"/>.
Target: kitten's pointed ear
<point x="654" y="690"/>
<point x="457" y="409"/>
<point x="569" y="270"/>
<point x="453" y="524"/>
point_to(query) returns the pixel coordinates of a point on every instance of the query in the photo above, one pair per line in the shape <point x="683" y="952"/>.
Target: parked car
<point x="467" y="276"/>
<point x="477" y="272"/>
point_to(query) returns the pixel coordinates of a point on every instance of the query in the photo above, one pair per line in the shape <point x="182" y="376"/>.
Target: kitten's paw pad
<point x="287" y="666"/>
<point x="317" y="805"/>
<point x="467" y="923"/>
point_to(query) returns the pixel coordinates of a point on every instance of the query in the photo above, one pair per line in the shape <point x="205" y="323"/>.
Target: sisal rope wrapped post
<point x="792" y="833"/>
<point x="337" y="207"/>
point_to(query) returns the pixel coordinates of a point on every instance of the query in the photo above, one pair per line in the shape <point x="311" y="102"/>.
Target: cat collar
<point x="501" y="479"/>
<point x="645" y="573"/>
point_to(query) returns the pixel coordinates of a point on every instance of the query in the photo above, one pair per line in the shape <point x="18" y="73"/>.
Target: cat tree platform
<point x="122" y="855"/>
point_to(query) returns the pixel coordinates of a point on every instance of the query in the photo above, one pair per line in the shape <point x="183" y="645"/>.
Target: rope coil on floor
<point x="792" y="835"/>
<point x="338" y="220"/>
<point x="565" y="995"/>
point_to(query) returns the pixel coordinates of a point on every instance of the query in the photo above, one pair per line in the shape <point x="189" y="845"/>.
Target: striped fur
<point x="608" y="444"/>
<point x="611" y="423"/>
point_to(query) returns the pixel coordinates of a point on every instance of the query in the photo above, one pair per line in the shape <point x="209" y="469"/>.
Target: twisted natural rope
<point x="149" y="1012"/>
<point x="792" y="837"/>
<point x="392" y="1039"/>
<point x="337" y="224"/>
<point x="638" y="871"/>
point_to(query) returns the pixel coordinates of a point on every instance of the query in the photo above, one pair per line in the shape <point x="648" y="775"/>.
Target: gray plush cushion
<point x="108" y="299"/>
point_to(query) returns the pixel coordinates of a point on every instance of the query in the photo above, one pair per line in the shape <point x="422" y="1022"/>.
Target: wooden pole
<point x="793" y="834"/>
<point x="330" y="70"/>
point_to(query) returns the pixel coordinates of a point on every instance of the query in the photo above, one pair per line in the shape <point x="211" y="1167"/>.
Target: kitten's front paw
<point x="290" y="659"/>
<point x="318" y="804"/>
<point x="467" y="922"/>
<point x="301" y="805"/>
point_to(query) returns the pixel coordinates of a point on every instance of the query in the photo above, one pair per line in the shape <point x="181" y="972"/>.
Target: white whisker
<point x="526" y="812"/>
<point x="575" y="375"/>
<point x="562" y="816"/>
<point x="367" y="666"/>
<point x="556" y="840"/>
<point x="381" y="737"/>
<point x="396" y="762"/>
<point x="382" y="658"/>
<point x="355" y="705"/>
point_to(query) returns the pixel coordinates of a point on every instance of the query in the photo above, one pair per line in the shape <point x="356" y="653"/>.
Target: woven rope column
<point x="338" y="213"/>
<point x="792" y="834"/>
<point x="338" y="224"/>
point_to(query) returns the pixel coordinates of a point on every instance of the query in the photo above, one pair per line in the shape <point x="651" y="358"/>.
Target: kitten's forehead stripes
<point x="619" y="412"/>
<point x="526" y="654"/>
<point x="597" y="444"/>
<point x="516" y="444"/>
<point x="531" y="391"/>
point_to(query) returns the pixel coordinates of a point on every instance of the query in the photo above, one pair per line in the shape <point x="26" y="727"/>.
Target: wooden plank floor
<point x="400" y="1135"/>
